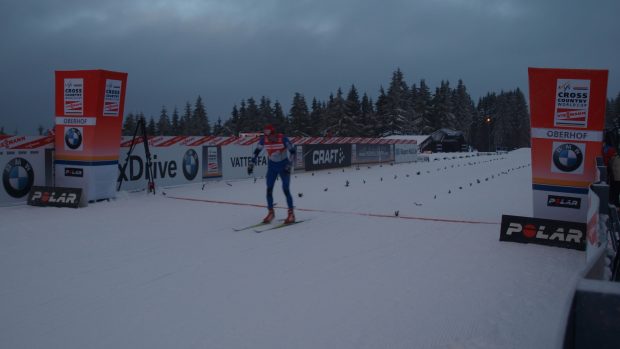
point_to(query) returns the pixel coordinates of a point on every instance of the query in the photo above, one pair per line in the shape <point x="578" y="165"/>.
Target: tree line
<point x="497" y="120"/>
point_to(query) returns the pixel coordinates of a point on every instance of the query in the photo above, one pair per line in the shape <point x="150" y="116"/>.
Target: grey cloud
<point x="229" y="50"/>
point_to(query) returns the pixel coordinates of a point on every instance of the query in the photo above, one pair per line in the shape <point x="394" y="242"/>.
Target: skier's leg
<point x="286" y="181"/>
<point x="271" y="179"/>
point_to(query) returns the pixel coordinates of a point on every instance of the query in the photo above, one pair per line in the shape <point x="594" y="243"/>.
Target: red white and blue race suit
<point x="278" y="164"/>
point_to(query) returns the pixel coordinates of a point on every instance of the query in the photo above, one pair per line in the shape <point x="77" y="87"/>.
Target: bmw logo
<point x="190" y="164"/>
<point x="17" y="177"/>
<point x="567" y="157"/>
<point x="73" y="138"/>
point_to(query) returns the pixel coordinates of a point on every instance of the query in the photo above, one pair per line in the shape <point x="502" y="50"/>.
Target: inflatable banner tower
<point x="89" y="117"/>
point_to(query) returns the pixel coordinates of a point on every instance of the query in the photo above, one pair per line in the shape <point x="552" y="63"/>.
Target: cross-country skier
<point x="278" y="164"/>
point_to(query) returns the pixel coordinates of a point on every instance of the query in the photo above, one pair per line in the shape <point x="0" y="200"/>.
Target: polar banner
<point x="567" y="108"/>
<point x="55" y="197"/>
<point x="405" y="152"/>
<point x="548" y="232"/>
<point x="324" y="156"/>
<point x="171" y="166"/>
<point x="371" y="153"/>
<point x="235" y="160"/>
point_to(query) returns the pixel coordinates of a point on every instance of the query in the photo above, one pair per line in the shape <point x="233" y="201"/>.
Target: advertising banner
<point x="23" y="165"/>
<point x="235" y="160"/>
<point x="55" y="197"/>
<point x="325" y="156"/>
<point x="89" y="116"/>
<point x="567" y="108"/>
<point x="212" y="157"/>
<point x="171" y="166"/>
<point x="543" y="232"/>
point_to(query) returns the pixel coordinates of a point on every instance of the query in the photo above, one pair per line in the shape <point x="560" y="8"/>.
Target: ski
<point x="255" y="225"/>
<point x="278" y="226"/>
<point x="251" y="226"/>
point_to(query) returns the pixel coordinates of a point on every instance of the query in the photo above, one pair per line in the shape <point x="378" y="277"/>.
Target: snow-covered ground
<point x="158" y="272"/>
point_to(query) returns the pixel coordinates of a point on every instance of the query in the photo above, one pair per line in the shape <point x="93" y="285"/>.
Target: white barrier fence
<point x="178" y="160"/>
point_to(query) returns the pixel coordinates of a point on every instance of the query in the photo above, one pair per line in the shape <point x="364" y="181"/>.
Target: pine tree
<point x="252" y="116"/>
<point x="523" y="116"/>
<point x="218" y="128"/>
<point x="502" y="122"/>
<point x="164" y="128"/>
<point x="265" y="112"/>
<point x="151" y="127"/>
<point x="463" y="109"/>
<point x="422" y="105"/>
<point x="616" y="109"/>
<point x="200" y="118"/>
<point x="186" y="121"/>
<point x="609" y="113"/>
<point x="351" y="121"/>
<point x="443" y="117"/>
<point x="232" y="124"/>
<point x="280" y="122"/>
<point x="336" y="115"/>
<point x="399" y="110"/>
<point x="176" y="123"/>
<point x="381" y="115"/>
<point x="316" y="118"/>
<point x="244" y="123"/>
<point x="129" y="125"/>
<point x="300" y="116"/>
<point x="485" y="122"/>
<point x="368" y="119"/>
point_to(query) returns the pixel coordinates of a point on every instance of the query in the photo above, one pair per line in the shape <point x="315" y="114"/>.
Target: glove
<point x="287" y="169"/>
<point x="250" y="168"/>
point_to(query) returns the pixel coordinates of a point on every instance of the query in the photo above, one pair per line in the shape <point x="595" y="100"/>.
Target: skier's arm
<point x="259" y="148"/>
<point x="292" y="150"/>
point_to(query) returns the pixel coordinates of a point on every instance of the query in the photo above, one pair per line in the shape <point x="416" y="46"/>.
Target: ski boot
<point x="269" y="216"/>
<point x="290" y="218"/>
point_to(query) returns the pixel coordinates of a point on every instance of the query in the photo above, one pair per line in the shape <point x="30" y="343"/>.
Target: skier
<point x="278" y="164"/>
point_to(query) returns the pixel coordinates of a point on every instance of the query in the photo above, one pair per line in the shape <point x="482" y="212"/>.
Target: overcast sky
<point x="228" y="50"/>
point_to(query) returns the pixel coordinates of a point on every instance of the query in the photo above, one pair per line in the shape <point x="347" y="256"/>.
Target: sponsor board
<point x="55" y="196"/>
<point x="17" y="177"/>
<point x="170" y="166"/>
<point x="567" y="108"/>
<point x="212" y="157"/>
<point x="74" y="96"/>
<point x="74" y="139"/>
<point x="76" y="121"/>
<point x="325" y="156"/>
<point x="74" y="172"/>
<point x="547" y="232"/>
<point x="22" y="165"/>
<point x="235" y="160"/>
<point x="568" y="157"/>
<point x="87" y="106"/>
<point x="572" y="100"/>
<point x="112" y="97"/>
<point x="564" y="201"/>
